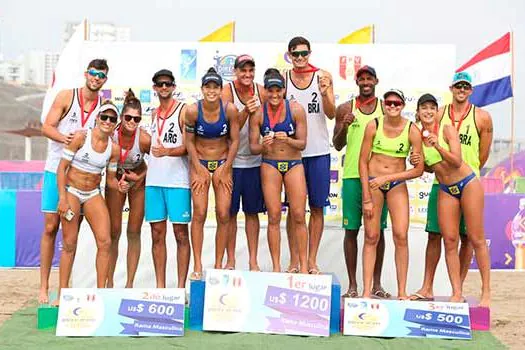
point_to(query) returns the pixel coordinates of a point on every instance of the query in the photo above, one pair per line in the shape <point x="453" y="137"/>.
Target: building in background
<point x="39" y="67"/>
<point x="12" y="71"/>
<point x="99" y="32"/>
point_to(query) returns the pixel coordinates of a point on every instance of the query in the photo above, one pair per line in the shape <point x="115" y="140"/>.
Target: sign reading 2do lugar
<point x="121" y="312"/>
<point x="264" y="302"/>
<point x="394" y="318"/>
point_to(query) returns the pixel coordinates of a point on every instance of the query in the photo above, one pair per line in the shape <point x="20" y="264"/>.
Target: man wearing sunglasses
<point x="312" y="88"/>
<point x="474" y="126"/>
<point x="168" y="180"/>
<point x="72" y="110"/>
<point x="350" y="123"/>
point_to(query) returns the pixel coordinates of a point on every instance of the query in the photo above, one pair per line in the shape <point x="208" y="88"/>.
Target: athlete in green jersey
<point x="382" y="170"/>
<point x="350" y="121"/>
<point x="460" y="193"/>
<point x="474" y="126"/>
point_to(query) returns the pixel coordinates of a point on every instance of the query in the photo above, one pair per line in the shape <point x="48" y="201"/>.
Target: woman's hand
<point x="63" y="207"/>
<point x="368" y="209"/>
<point x="377" y="182"/>
<point x="224" y="177"/>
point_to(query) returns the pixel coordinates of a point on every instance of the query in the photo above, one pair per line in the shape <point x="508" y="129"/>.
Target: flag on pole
<point x="491" y="73"/>
<point x="364" y="35"/>
<point x="67" y="72"/>
<point x="226" y="33"/>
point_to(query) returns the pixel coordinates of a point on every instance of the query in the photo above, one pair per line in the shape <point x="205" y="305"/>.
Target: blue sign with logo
<point x="188" y="65"/>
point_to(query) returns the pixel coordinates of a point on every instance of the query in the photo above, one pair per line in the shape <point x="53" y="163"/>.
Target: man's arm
<point x="60" y="106"/>
<point x="326" y="87"/>
<point x="255" y="129"/>
<point x="341" y="125"/>
<point x="233" y="118"/>
<point x="486" y="131"/>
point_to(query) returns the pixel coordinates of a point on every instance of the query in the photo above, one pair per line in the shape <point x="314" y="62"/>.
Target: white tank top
<point x="168" y="171"/>
<point x="71" y="122"/>
<point x="88" y="160"/>
<point x="317" y="138"/>
<point x="135" y="155"/>
<point x="244" y="158"/>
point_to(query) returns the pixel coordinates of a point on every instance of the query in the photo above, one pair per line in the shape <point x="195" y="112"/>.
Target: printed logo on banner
<point x="145" y="96"/>
<point x="224" y="65"/>
<point x="282" y="63"/>
<point x="348" y="66"/>
<point x="188" y="65"/>
<point x="334" y="175"/>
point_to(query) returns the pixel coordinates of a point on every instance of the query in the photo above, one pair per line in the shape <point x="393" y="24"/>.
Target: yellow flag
<point x="364" y="35"/>
<point x="225" y="33"/>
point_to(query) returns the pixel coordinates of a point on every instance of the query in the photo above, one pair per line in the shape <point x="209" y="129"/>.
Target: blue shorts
<point x="247" y="184"/>
<point x="49" y="193"/>
<point x="456" y="189"/>
<point x="317" y="173"/>
<point x="168" y="203"/>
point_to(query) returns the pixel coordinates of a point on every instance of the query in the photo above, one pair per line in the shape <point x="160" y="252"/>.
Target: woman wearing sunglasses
<point x="79" y="177"/>
<point x="212" y="141"/>
<point x="382" y="169"/>
<point x="134" y="143"/>
<point x="460" y="193"/>
<point x="282" y="125"/>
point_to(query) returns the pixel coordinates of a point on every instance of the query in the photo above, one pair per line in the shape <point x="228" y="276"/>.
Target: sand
<point x="20" y="288"/>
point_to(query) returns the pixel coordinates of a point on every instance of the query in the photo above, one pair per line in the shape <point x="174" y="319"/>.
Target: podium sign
<point x="395" y="318"/>
<point x="265" y="302"/>
<point x="121" y="312"/>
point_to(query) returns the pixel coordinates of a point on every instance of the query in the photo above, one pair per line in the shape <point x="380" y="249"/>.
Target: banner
<point x="395" y="318"/>
<point x="121" y="312"/>
<point x="264" y="302"/>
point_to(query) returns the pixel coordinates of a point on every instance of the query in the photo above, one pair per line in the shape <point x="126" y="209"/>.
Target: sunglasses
<point x="111" y="118"/>
<point x="96" y="73"/>
<point x="463" y="86"/>
<point x="164" y="84"/>
<point x="393" y="103"/>
<point x="128" y="118"/>
<point x="300" y="53"/>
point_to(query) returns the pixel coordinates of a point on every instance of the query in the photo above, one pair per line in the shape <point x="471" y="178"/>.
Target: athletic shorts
<point x="317" y="173"/>
<point x="352" y="205"/>
<point x="247" y="184"/>
<point x="432" y="214"/>
<point x="49" y="193"/>
<point x="168" y="203"/>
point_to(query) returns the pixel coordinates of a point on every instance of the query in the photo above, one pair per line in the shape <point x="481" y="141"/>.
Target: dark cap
<point x="427" y="98"/>
<point x="241" y="60"/>
<point x="273" y="80"/>
<point x="397" y="92"/>
<point x="211" y="77"/>
<point x="367" y="69"/>
<point x="163" y="73"/>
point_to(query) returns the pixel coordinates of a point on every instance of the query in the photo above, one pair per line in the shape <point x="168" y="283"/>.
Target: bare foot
<point x="457" y="299"/>
<point x="109" y="284"/>
<point x="403" y="297"/>
<point x="230" y="265"/>
<point x="56" y="302"/>
<point x="255" y="268"/>
<point x="485" y="301"/>
<point x="366" y="296"/>
<point x="43" y="297"/>
<point x="292" y="269"/>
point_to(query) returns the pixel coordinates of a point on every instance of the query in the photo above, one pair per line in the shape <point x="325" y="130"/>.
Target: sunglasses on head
<point x="111" y="118"/>
<point x="393" y="103"/>
<point x="463" y="86"/>
<point x="164" y="84"/>
<point x="300" y="53"/>
<point x="96" y="73"/>
<point x="128" y="118"/>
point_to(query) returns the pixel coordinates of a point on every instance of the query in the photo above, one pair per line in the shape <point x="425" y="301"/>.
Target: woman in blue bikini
<point x="212" y="140"/>
<point x="460" y="193"/>
<point x="282" y="125"/>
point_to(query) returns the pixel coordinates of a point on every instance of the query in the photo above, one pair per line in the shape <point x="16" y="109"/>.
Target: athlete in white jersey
<point x="312" y="88"/>
<point x="79" y="175"/>
<point x="247" y="96"/>
<point x="134" y="143"/>
<point x="168" y="180"/>
<point x="72" y="110"/>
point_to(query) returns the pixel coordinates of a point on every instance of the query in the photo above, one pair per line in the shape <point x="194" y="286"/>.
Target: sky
<point x="470" y="25"/>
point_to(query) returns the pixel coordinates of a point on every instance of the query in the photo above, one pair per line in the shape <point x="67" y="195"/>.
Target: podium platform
<point x="196" y="305"/>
